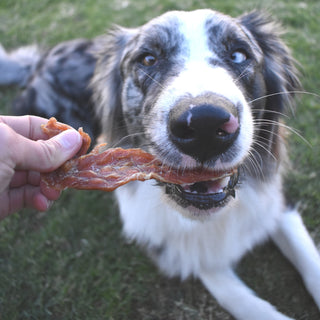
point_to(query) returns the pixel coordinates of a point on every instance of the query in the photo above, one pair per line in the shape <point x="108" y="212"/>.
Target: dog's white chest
<point x="185" y="246"/>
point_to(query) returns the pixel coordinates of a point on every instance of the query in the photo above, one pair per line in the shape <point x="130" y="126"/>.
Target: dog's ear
<point x="279" y="68"/>
<point x="107" y="83"/>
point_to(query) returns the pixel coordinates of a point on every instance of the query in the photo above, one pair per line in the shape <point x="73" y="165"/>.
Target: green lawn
<point x="72" y="262"/>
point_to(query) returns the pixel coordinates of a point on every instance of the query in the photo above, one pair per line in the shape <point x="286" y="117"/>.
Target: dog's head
<point x="198" y="89"/>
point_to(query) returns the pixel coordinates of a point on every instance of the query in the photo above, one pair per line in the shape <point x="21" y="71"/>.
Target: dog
<point x="197" y="89"/>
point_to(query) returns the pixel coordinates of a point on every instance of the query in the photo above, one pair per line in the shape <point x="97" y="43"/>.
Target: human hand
<point x="25" y="152"/>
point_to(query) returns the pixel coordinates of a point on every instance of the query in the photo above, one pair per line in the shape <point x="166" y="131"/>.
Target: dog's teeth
<point x="186" y="185"/>
<point x="216" y="185"/>
<point x="225" y="181"/>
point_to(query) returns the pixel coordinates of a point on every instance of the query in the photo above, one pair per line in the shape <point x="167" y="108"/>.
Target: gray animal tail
<point x="17" y="66"/>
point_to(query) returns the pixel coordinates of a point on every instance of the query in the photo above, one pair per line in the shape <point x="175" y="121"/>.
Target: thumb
<point x="47" y="155"/>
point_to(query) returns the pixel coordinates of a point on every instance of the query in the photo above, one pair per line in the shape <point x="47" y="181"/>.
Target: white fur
<point x="149" y="217"/>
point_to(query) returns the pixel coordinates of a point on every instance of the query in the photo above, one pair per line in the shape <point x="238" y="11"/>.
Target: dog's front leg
<point x="234" y="296"/>
<point x="296" y="244"/>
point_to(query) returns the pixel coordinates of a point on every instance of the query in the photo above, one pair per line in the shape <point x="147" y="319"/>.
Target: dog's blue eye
<point x="149" y="60"/>
<point x="238" y="56"/>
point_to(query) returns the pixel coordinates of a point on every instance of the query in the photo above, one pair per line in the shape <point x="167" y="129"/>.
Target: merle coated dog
<point x="196" y="89"/>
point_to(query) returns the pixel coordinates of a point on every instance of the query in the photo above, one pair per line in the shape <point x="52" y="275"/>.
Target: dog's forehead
<point x="189" y="19"/>
<point x="189" y="28"/>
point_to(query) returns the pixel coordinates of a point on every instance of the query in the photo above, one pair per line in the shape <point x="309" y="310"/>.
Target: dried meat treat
<point x="114" y="167"/>
<point x="53" y="127"/>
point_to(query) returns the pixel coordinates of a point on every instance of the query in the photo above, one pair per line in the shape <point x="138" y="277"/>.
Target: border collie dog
<point x="196" y="89"/>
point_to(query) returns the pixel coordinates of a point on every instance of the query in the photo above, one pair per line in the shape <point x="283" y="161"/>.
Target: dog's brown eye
<point x="149" y="60"/>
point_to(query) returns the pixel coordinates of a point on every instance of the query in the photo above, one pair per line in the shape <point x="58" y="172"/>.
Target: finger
<point x="27" y="126"/>
<point x="41" y="155"/>
<point x="21" y="178"/>
<point x="40" y="202"/>
<point x="49" y="193"/>
<point x="26" y="196"/>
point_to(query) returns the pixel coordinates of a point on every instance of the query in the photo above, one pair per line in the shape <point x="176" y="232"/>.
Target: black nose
<point x="206" y="130"/>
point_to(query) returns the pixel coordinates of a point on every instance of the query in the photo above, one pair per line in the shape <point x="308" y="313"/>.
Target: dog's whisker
<point x="280" y="124"/>
<point x="154" y="80"/>
<point x="242" y="74"/>
<point x="284" y="93"/>
<point x="252" y="164"/>
<point x="270" y="111"/>
<point x="258" y="161"/>
<point x="119" y="142"/>
<point x="265" y="148"/>
<point x="267" y="139"/>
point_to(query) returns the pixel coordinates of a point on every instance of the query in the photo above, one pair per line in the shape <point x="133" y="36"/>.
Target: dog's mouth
<point x="205" y="195"/>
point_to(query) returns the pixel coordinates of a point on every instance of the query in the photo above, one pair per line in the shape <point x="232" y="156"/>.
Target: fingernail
<point x="69" y="139"/>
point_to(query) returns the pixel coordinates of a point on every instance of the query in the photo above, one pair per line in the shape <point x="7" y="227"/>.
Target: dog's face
<point x="198" y="89"/>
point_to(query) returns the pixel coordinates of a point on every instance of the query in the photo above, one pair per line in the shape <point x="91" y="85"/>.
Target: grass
<point x="72" y="262"/>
